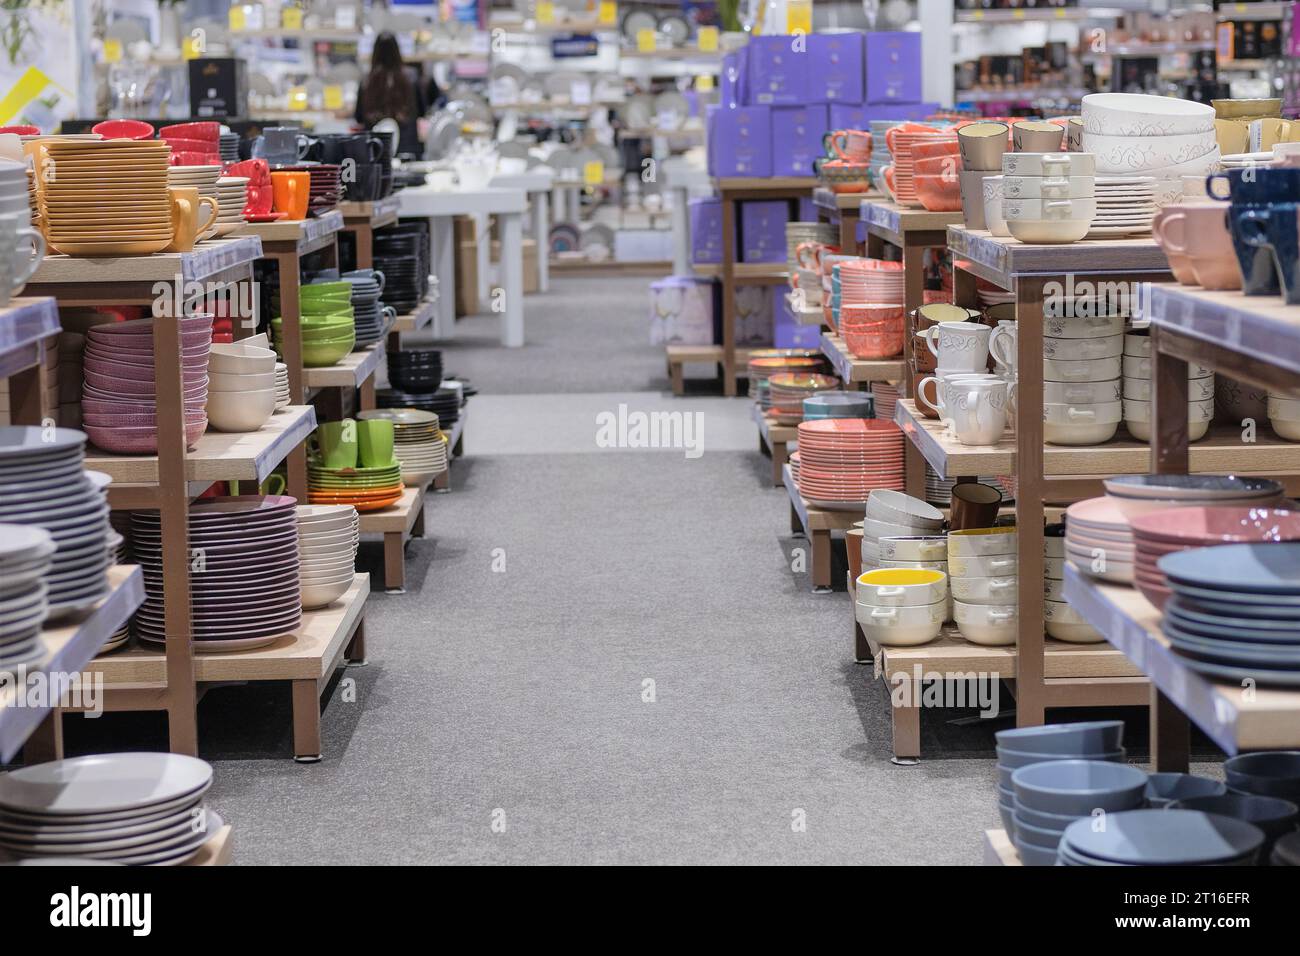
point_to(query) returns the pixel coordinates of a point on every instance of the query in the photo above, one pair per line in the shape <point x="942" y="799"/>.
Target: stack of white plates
<point x="283" y="397"/>
<point x="142" y="809"/>
<point x="204" y="178"/>
<point x="938" y="491"/>
<point x="25" y="556"/>
<point x="417" y="443"/>
<point x="1125" y="206"/>
<point x="990" y="297"/>
<point x="232" y="197"/>
<point x="42" y="484"/>
<point x="327" y="552"/>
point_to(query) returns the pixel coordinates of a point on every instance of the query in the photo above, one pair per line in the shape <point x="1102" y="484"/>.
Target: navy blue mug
<point x="1254" y="185"/>
<point x="1270" y="238"/>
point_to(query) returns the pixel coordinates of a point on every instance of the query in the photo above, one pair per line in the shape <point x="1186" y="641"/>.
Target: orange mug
<point x="187" y="220"/>
<point x="852" y="145"/>
<point x="290" y="192"/>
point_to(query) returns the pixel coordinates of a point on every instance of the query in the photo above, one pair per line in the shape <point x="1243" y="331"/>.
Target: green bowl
<point x="314" y="289"/>
<point x="324" y="354"/>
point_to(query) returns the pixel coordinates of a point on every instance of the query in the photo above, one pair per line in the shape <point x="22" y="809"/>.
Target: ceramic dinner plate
<point x="1255" y="569"/>
<point x="103" y="784"/>
<point x="1163" y="837"/>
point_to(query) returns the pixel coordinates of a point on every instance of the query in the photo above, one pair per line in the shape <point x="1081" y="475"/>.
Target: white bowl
<point x="1050" y="165"/>
<point x="312" y="550"/>
<point x="315" y="595"/>
<point x="871" y="528"/>
<point x="1054" y="568"/>
<point x="1083" y="326"/>
<point x="318" y="567"/>
<point x="1201" y="166"/>
<point x="1081" y="393"/>
<point x="1087" y="370"/>
<point x="240" y="411"/>
<point x="1287" y="409"/>
<point x="1139" y="345"/>
<point x="1048" y="209"/>
<point x="894" y="507"/>
<point x="239" y="361"/>
<point x="1049" y="231"/>
<point x="990" y="566"/>
<point x="1061" y="611"/>
<point x="902" y="626"/>
<point x="1113" y="569"/>
<point x="1137" y="367"/>
<point x="1140" y="114"/>
<point x="1083" y="413"/>
<point x="879" y="588"/>
<point x="1198" y="389"/>
<point x="1138" y="410"/>
<point x="1053" y="589"/>
<point x="1286" y="428"/>
<point x="1079" y="434"/>
<point x="970" y="590"/>
<point x="988" y="624"/>
<point x="981" y="542"/>
<point x="1130" y="155"/>
<point x="913" y="548"/>
<point x="1082" y="350"/>
<point x="235" y="382"/>
<point x="1043" y="187"/>
<point x="925" y="565"/>
<point x="1073" y="633"/>
<point x="1141" y="429"/>
<point x="1054" y="546"/>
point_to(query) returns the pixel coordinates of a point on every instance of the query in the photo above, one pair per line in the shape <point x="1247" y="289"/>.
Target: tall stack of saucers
<point x="418" y="443"/>
<point x="26" y="555"/>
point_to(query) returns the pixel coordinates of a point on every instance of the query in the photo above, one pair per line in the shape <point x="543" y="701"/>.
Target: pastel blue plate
<point x="1195" y="617"/>
<point x="1235" y="675"/>
<point x="1229" y="632"/>
<point x="1271" y="568"/>
<point x="1273" y="656"/>
<point x="1165" y="838"/>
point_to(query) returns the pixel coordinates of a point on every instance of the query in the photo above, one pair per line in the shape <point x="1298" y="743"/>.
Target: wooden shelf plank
<point x="748" y="273"/>
<point x="24" y="324"/>
<point x="349" y="372"/>
<point x="305" y="235"/>
<point x="772" y="432"/>
<point x="207" y="259"/>
<point x="854" y="370"/>
<point x="1220" y="452"/>
<point x="835" y="202"/>
<point x="890" y="220"/>
<point x="219" y="456"/>
<point x="307" y="654"/>
<point x="419" y="319"/>
<point x="812" y="315"/>
<point x="1004" y="258"/>
<point x="812" y="517"/>
<point x="381" y="212"/>
<point x="773" y="184"/>
<point x="400" y="517"/>
<point x="69" y="647"/>
<point x="1265" y="719"/>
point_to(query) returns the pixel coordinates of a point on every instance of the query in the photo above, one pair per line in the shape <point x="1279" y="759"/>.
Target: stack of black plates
<point x="415" y="370"/>
<point x="371" y="316"/>
<point x="403" y="253"/>
<point x="445" y="403"/>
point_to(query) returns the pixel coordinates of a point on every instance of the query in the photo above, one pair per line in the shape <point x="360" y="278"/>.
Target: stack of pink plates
<point x="903" y="184"/>
<point x="244" y="579"/>
<point x="1181" y="529"/>
<point x="871" y="280"/>
<point x="1098" y="540"/>
<point x="117" y="397"/>
<point x="886" y="394"/>
<point x="843" y="460"/>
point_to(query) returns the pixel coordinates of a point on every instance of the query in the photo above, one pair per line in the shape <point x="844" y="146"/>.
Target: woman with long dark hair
<point x="388" y="92"/>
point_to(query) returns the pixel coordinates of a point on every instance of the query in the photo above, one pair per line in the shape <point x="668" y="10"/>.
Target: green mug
<point x="375" y="441"/>
<point x="336" y="443"/>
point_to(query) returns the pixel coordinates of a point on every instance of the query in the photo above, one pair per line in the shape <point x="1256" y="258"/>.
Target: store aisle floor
<point x="604" y="656"/>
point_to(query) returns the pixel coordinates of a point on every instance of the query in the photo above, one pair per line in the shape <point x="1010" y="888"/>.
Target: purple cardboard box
<point x="740" y="141"/>
<point x="706" y="231"/>
<point x="684" y="311"/>
<point x="902" y="111"/>
<point x="837" y="71"/>
<point x="779" y="68"/>
<point x="893" y="68"/>
<point x="733" y="82"/>
<point x="788" y="333"/>
<point x="762" y="230"/>
<point x="849" y="116"/>
<point x="797" y="133"/>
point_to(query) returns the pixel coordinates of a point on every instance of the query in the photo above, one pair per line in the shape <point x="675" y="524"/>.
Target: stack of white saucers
<point x="25" y="557"/>
<point x="283" y="397"/>
<point x="232" y="197"/>
<point x="327" y="552"/>
<point x="1125" y="206"/>
<point x="141" y="809"/>
<point x="938" y="491"/>
<point x="417" y="443"/>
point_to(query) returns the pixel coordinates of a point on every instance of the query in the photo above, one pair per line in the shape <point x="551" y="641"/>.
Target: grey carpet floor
<point x="505" y="714"/>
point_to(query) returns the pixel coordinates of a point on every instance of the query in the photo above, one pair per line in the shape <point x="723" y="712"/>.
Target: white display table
<point x="440" y="207"/>
<point x="537" y="183"/>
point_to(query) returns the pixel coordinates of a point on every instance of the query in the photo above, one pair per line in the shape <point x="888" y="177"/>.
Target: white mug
<point x="947" y="384"/>
<point x="21" y="250"/>
<point x="979" y="409"/>
<point x="959" y="345"/>
<point x="1002" y="344"/>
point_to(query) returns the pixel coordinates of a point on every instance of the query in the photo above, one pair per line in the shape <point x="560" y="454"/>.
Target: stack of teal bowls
<point x="839" y="405"/>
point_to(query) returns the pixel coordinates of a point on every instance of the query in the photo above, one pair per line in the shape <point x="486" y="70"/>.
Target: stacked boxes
<point x="780" y="94"/>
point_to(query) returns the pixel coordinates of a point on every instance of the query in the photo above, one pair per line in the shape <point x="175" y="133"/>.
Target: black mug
<point x="361" y="183"/>
<point x="337" y="148"/>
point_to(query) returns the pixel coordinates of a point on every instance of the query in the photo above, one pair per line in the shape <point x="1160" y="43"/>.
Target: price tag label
<point x="977" y="15"/>
<point x="798" y="17"/>
<point x="593" y="173"/>
<point x="238" y="18"/>
<point x="191" y="49"/>
<point x="707" y="39"/>
<point x="1060" y="13"/>
<point x="645" y="40"/>
<point x="608" y="13"/>
<point x="298" y="98"/>
<point x="704" y="82"/>
<point x="291" y="18"/>
<point x="545" y="12"/>
<point x="1018" y="14"/>
<point x="112" y="51"/>
<point x="333" y="97"/>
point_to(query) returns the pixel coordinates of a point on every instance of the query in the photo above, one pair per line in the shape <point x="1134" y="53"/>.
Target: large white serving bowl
<point x="902" y="626"/>
<point x="315" y="595"/>
<point x="1139" y="114"/>
<point x="240" y="411"/>
<point x="241" y="381"/>
<point x="1049" y="231"/>
<point x="233" y="358"/>
<point x="1129" y="155"/>
<point x="988" y="624"/>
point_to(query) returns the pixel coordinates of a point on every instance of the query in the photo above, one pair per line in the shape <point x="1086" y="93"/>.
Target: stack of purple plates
<point x="243" y="572"/>
<point x="119" y="411"/>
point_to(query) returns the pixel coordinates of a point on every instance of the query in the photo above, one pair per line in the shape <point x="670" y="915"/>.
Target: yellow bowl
<point x="900" y="577"/>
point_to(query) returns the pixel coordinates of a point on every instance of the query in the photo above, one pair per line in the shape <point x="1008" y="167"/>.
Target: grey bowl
<point x="1038" y="836"/>
<point x="1014" y="760"/>
<point x="1273" y="815"/>
<point x="1085" y="737"/>
<point x="1031" y="855"/>
<point x="1269" y="773"/>
<point x="1166" y="788"/>
<point x="1079" y="786"/>
<point x="1004" y="778"/>
<point x="1008" y="820"/>
<point x="1047" y="821"/>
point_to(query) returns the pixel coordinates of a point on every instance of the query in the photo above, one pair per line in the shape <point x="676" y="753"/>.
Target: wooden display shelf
<point x="376" y="214"/>
<point x="768" y="184"/>
<point x="748" y="273"/>
<point x="1221" y="451"/>
<point x="303" y="236"/>
<point x="890" y="221"/>
<point x="24" y="325"/>
<point x="421" y="318"/>
<point x="679" y="355"/>
<point x="351" y="371"/>
<point x="1267" y="718"/>
<point x="998" y="848"/>
<point x="952" y="657"/>
<point x="218" y="456"/>
<point x="1001" y="259"/>
<point x="853" y="371"/>
<point x="774" y="440"/>
<point x="817" y="525"/>
<point x="841" y="210"/>
<point x="812" y="315"/>
<point x="398" y="524"/>
<point x="307" y="658"/>
<point x="69" y="647"/>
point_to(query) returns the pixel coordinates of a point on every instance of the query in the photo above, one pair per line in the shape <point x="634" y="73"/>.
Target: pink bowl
<point x="135" y="440"/>
<point x="114" y="386"/>
<point x="873" y="346"/>
<point x="120" y="406"/>
<point x="1205" y="526"/>
<point x="140" y="420"/>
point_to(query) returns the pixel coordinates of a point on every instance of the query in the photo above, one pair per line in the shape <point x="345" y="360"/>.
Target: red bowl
<point x="205" y="130"/>
<point x="124" y="129"/>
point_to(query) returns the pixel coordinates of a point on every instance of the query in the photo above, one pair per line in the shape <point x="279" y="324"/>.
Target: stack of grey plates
<point x="128" y="808"/>
<point x="42" y="484"/>
<point x="938" y="491"/>
<point x="372" y="318"/>
<point x="228" y="147"/>
<point x="25" y="558"/>
<point x="1161" y="838"/>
